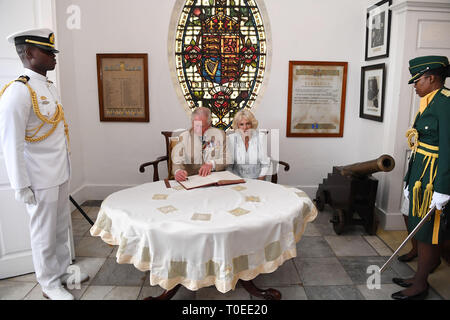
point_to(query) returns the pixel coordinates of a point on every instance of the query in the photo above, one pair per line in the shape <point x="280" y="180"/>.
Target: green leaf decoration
<point x="248" y="23"/>
<point x="211" y="2"/>
<point x="244" y="11"/>
<point x="234" y="13"/>
<point x="195" y="22"/>
<point x="253" y="64"/>
<point x="193" y="43"/>
<point x="188" y="64"/>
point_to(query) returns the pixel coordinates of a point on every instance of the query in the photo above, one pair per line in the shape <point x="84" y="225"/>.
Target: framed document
<point x="378" y="25"/>
<point x="123" y="87"/>
<point x="372" y="92"/>
<point x="316" y="99"/>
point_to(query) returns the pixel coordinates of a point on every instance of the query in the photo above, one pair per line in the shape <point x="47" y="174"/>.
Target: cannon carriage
<point x="351" y="191"/>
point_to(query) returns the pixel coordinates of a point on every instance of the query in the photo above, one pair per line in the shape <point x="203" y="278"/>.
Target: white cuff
<point x="213" y="165"/>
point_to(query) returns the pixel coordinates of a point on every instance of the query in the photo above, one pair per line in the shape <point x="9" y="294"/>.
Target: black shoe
<point x="407" y="257"/>
<point x="400" y="296"/>
<point x="435" y="267"/>
<point x="401" y="282"/>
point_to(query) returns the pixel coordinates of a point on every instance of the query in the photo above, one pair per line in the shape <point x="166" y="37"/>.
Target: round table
<point x="206" y="236"/>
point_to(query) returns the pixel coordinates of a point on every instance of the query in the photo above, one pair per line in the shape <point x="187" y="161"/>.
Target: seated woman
<point x="247" y="147"/>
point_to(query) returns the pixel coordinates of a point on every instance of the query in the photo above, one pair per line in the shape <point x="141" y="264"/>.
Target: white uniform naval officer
<point x="35" y="142"/>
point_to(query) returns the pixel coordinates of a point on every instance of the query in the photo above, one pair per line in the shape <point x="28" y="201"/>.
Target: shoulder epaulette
<point x="23" y="79"/>
<point x="445" y="92"/>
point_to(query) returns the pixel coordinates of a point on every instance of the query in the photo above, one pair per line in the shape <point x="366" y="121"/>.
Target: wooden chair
<point x="170" y="144"/>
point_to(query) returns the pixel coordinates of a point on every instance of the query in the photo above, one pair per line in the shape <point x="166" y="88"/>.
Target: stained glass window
<point x="220" y="56"/>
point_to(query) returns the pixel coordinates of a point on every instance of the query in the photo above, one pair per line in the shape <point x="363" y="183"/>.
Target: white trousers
<point x="49" y="225"/>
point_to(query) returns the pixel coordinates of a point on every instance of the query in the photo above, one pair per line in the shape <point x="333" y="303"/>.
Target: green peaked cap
<point x="418" y="66"/>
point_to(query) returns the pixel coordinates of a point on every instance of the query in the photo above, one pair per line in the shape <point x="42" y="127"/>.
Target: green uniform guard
<point x="428" y="176"/>
<point x="429" y="139"/>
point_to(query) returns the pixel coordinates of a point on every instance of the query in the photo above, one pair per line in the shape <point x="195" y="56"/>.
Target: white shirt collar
<point x="34" y="75"/>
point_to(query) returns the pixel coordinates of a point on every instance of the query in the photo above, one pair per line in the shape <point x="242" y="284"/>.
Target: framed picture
<point x="378" y="25"/>
<point x="316" y="99"/>
<point x="123" y="87"/>
<point x="372" y="92"/>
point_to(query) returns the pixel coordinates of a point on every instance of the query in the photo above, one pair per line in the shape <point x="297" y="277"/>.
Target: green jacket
<point x="433" y="126"/>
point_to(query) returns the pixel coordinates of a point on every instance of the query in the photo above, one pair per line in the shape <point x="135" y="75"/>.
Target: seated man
<point x="201" y="149"/>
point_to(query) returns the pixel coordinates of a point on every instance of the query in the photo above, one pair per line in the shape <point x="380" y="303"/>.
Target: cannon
<point x="351" y="191"/>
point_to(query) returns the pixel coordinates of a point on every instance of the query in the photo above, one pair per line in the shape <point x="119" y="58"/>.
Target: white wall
<point x="318" y="31"/>
<point x="106" y="155"/>
<point x="111" y="152"/>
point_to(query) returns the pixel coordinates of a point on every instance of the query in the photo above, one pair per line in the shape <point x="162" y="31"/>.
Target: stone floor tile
<point x="114" y="274"/>
<point x="325" y="229"/>
<point x="333" y="293"/>
<point x="15" y="290"/>
<point x="30" y="277"/>
<point x="286" y="274"/>
<point x="92" y="247"/>
<point x="350" y="246"/>
<point x="80" y="227"/>
<point x="311" y="231"/>
<point x="35" y="294"/>
<point x="322" y="271"/>
<point x="380" y="247"/>
<point x="88" y="265"/>
<point x="76" y="215"/>
<point x="357" y="269"/>
<point x="111" y="293"/>
<point x="313" y="247"/>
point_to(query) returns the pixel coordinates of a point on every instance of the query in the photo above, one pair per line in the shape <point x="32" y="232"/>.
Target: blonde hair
<point x="244" y="113"/>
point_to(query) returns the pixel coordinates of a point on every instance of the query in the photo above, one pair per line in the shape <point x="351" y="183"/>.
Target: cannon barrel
<point x="383" y="163"/>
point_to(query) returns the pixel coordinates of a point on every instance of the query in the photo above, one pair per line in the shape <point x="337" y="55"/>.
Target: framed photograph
<point x="378" y="25"/>
<point x="372" y="92"/>
<point x="123" y="87"/>
<point x="316" y="99"/>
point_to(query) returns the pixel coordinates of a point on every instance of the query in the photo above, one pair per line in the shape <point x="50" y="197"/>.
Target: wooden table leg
<point x="166" y="295"/>
<point x="268" y="294"/>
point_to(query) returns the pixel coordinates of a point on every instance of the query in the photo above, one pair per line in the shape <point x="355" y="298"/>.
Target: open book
<point x="215" y="178"/>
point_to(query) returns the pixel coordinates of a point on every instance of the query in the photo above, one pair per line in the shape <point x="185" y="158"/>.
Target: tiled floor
<point x="327" y="266"/>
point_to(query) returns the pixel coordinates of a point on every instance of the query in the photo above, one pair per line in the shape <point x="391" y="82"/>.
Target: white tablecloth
<point x="207" y="236"/>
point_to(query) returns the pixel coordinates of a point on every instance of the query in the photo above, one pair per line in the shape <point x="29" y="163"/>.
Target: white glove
<point x="439" y="200"/>
<point x="406" y="193"/>
<point x="25" y="195"/>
